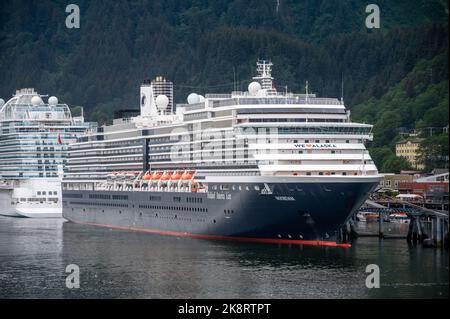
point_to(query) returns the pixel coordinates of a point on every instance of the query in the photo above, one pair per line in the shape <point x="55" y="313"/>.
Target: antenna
<point x="264" y="70"/>
<point x="342" y="87"/>
<point x="306" y="89"/>
<point x="234" y="78"/>
<point x="286" y="95"/>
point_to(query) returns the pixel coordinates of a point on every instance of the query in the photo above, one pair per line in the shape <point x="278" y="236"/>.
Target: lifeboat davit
<point x="130" y="174"/>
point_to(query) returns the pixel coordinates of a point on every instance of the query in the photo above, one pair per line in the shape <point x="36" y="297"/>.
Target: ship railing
<point x="217" y="96"/>
<point x="192" y="107"/>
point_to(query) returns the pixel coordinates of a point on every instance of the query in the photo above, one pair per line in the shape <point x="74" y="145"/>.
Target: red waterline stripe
<point x="228" y="238"/>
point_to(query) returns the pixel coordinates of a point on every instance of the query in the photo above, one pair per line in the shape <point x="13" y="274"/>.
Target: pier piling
<point x="380" y="225"/>
<point x="438" y="232"/>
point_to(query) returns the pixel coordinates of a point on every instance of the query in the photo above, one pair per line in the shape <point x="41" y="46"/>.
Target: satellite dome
<point x="201" y="98"/>
<point x="162" y="101"/>
<point x="2" y="102"/>
<point x="193" y="98"/>
<point x="36" y="100"/>
<point x="52" y="100"/>
<point x="254" y="87"/>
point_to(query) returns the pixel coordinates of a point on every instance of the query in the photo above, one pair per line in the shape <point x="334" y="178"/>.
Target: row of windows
<point x="20" y="175"/>
<point x="39" y="166"/>
<point x="120" y="197"/>
<point x="194" y="200"/>
<point x="40" y="200"/>
<point x="73" y="195"/>
<point x="387" y="183"/>
<point x="94" y="145"/>
<point x="99" y="204"/>
<point x="233" y="187"/>
<point x="295" y="120"/>
<point x="99" y="196"/>
<point x="49" y="193"/>
<point x="407" y="151"/>
<point x="176" y="208"/>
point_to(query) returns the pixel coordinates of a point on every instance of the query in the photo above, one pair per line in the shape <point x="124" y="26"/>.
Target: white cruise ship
<point x="258" y="165"/>
<point x="33" y="142"/>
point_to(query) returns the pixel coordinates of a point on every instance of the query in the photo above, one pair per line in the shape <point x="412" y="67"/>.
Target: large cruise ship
<point x="260" y="165"/>
<point x="33" y="141"/>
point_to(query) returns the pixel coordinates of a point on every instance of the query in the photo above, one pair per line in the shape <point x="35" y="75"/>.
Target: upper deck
<point x="27" y="107"/>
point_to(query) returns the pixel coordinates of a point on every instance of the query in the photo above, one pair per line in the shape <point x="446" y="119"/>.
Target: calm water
<point x="121" y="264"/>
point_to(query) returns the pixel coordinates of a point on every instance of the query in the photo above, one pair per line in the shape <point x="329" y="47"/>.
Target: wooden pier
<point x="427" y="227"/>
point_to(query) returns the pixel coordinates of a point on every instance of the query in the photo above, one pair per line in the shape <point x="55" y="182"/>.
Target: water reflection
<point x="121" y="264"/>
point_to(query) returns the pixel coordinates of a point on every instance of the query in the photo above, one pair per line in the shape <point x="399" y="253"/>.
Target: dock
<point x="427" y="226"/>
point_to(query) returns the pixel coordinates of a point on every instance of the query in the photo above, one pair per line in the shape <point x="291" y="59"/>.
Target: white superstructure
<point x="34" y="136"/>
<point x="259" y="132"/>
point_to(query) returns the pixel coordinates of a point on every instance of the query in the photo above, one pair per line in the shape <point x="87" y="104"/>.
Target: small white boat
<point x="399" y="218"/>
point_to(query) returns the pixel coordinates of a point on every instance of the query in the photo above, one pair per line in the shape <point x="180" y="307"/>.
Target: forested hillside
<point x="393" y="76"/>
<point x="419" y="101"/>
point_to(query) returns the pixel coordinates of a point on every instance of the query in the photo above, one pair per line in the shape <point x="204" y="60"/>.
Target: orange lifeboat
<point x="186" y="176"/>
<point x="166" y="176"/>
<point x="176" y="176"/>
<point x="156" y="176"/>
<point x="147" y="176"/>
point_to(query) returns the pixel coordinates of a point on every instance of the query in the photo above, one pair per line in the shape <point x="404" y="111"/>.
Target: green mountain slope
<point x="419" y="101"/>
<point x="203" y="45"/>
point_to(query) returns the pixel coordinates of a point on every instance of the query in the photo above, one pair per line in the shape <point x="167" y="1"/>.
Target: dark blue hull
<point x="292" y="212"/>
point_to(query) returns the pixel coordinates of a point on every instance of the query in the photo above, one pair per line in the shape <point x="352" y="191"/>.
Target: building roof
<point x="415" y="140"/>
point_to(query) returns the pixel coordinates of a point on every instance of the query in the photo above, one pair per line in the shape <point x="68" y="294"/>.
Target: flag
<point x="59" y="138"/>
